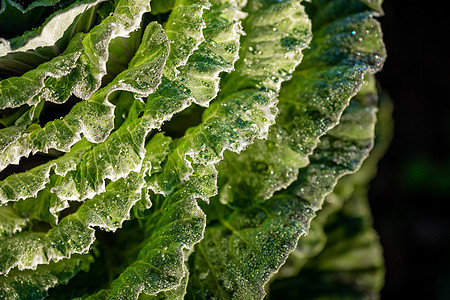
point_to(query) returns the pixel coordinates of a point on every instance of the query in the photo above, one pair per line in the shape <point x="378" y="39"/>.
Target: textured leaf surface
<point x="75" y="233"/>
<point x="94" y="118"/>
<point x="259" y="238"/>
<point x="34" y="284"/>
<point x="344" y="272"/>
<point x="122" y="151"/>
<point x="47" y="41"/>
<point x="311" y="103"/>
<point x="243" y="113"/>
<point x="217" y="132"/>
<point x="87" y="242"/>
<point x="199" y="78"/>
<point x="237" y="256"/>
<point x="351" y="264"/>
<point x="221" y="23"/>
<point x="104" y="190"/>
<point x="81" y="69"/>
<point x="123" y="158"/>
<point x="79" y="74"/>
<point x="184" y="29"/>
<point x="352" y="186"/>
<point x="163" y="273"/>
<point x="160" y="264"/>
<point x="28" y="184"/>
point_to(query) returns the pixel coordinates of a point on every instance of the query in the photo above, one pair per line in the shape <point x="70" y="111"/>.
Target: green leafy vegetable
<point x="264" y="105"/>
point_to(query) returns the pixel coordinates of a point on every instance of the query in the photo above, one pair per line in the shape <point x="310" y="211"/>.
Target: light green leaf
<point x="123" y="151"/>
<point x="27" y="250"/>
<point x="45" y="206"/>
<point x="313" y="184"/>
<point x="198" y="80"/>
<point x="34" y="284"/>
<point x="177" y="293"/>
<point x="202" y="181"/>
<point x="28" y="184"/>
<point x="216" y="54"/>
<point x="184" y="30"/>
<point x="236" y="119"/>
<point x="15" y="124"/>
<point x="27" y="51"/>
<point x="337" y="154"/>
<point x="240" y="252"/>
<point x="79" y="74"/>
<point x="53" y="29"/>
<point x="207" y="142"/>
<point x="13" y="93"/>
<point x="94" y="118"/>
<point x="75" y="233"/>
<point x="86" y="243"/>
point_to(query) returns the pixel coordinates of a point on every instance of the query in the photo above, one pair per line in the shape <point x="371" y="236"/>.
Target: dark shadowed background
<point x="410" y="193"/>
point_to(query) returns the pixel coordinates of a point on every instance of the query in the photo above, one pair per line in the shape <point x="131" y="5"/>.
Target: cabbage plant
<point x="172" y="149"/>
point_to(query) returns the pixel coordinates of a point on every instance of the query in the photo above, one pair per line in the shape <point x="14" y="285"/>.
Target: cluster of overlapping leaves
<point x="170" y="149"/>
